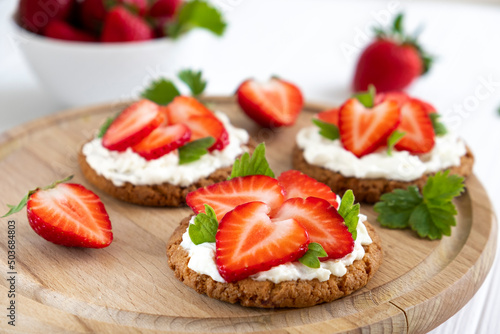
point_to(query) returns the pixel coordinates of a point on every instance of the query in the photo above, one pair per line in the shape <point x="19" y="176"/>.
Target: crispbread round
<point x="369" y="190"/>
<point x="266" y="294"/>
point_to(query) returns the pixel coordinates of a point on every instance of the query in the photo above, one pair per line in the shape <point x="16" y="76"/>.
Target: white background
<point x="315" y="44"/>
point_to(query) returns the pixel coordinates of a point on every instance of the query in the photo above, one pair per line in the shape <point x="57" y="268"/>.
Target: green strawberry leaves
<point x="430" y="213"/>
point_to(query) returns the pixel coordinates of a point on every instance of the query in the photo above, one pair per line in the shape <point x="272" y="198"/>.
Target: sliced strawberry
<point x="227" y="195"/>
<point x="329" y="116"/>
<point x="248" y="242"/>
<point x="133" y="125"/>
<point x="429" y="108"/>
<point x="418" y="129"/>
<point x="162" y="140"/>
<point x="184" y="107"/>
<point x="398" y="96"/>
<point x="271" y="104"/>
<point x="297" y="184"/>
<point x="322" y="222"/>
<point x="363" y="130"/>
<point x="203" y="126"/>
<point x="70" y="215"/>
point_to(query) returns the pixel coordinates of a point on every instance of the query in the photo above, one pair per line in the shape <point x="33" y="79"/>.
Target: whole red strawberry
<point x="35" y="15"/>
<point x="121" y="25"/>
<point x="92" y="13"/>
<point x="64" y="31"/>
<point x="392" y="61"/>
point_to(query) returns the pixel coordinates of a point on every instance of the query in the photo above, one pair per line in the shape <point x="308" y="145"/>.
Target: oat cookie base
<point x="267" y="294"/>
<point x="369" y="190"/>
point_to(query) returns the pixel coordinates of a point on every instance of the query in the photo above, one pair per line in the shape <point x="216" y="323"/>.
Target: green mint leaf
<point x="393" y="140"/>
<point x="439" y="128"/>
<point x="498" y="111"/>
<point x="24" y="200"/>
<point x="310" y="258"/>
<point x="255" y="165"/>
<point x="197" y="14"/>
<point x="367" y="98"/>
<point x="397" y="27"/>
<point x="204" y="227"/>
<point x="194" y="80"/>
<point x="443" y="187"/>
<point x="327" y="130"/>
<point x="161" y="91"/>
<point x="194" y="150"/>
<point x="350" y="212"/>
<point x="431" y="214"/>
<point x="105" y="126"/>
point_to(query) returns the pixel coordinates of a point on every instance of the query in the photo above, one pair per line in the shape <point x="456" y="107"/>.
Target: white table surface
<point x="302" y="41"/>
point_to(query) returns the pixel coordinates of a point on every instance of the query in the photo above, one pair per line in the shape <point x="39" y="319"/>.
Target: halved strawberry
<point x="322" y="222"/>
<point x="297" y="184"/>
<point x="203" y="126"/>
<point x="329" y="116"/>
<point x="183" y="107"/>
<point x="418" y="129"/>
<point x="271" y="104"/>
<point x="227" y="195"/>
<point x="162" y="140"/>
<point x="363" y="130"/>
<point x="133" y="125"/>
<point x="248" y="242"/>
<point x="70" y="215"/>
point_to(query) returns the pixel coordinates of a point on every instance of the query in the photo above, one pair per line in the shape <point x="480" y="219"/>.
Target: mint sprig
<point x="16" y="208"/>
<point x="255" y="165"/>
<point x="197" y="14"/>
<point x="194" y="150"/>
<point x="105" y="126"/>
<point x="311" y="257"/>
<point x="393" y="139"/>
<point x="367" y="98"/>
<point x="439" y="127"/>
<point x="161" y="91"/>
<point x="350" y="212"/>
<point x="204" y="227"/>
<point x="194" y="80"/>
<point x="430" y="213"/>
<point x="327" y="130"/>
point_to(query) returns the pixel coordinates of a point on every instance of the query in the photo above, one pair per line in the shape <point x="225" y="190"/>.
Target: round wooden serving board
<point x="129" y="288"/>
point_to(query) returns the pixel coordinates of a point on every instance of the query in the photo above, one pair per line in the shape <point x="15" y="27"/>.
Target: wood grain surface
<point x="128" y="287"/>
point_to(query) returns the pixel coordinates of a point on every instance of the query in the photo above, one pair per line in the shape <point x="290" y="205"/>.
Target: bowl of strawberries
<point x="92" y="51"/>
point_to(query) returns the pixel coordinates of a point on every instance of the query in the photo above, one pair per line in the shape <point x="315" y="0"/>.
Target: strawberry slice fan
<point x="265" y="222"/>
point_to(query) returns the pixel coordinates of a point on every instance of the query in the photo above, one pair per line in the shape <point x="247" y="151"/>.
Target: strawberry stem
<point x="24" y="200"/>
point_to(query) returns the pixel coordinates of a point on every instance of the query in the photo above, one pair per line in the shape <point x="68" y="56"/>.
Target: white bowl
<point x="78" y="73"/>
